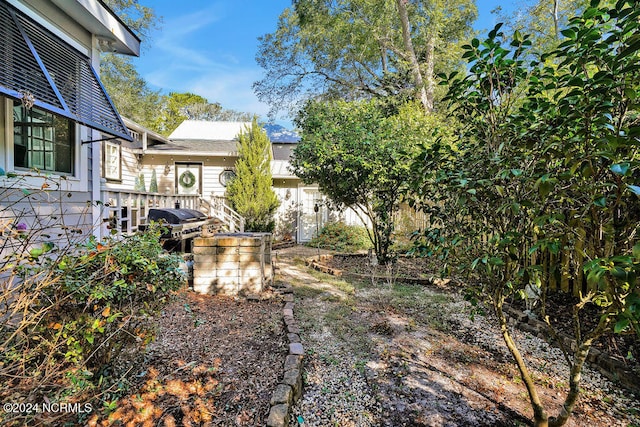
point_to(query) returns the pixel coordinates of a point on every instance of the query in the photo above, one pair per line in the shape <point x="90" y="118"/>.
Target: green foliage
<point x="250" y="191"/>
<point x="177" y="107"/>
<point x="141" y="19"/>
<point x="139" y="183"/>
<point x="341" y="237"/>
<point x="543" y="20"/>
<point x="353" y="49"/>
<point x="129" y="92"/>
<point x="153" y="185"/>
<point x="72" y="306"/>
<point x="358" y="153"/>
<point x="544" y="183"/>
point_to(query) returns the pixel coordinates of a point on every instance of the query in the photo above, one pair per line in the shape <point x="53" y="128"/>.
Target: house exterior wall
<point x="295" y="218"/>
<point x="212" y="167"/>
<point x="58" y="207"/>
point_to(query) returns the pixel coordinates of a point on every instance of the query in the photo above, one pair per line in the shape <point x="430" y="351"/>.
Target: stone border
<point x="289" y="389"/>
<point x="612" y="368"/>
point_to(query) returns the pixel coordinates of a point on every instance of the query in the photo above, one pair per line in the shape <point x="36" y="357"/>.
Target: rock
<point x="278" y="416"/>
<point x="296" y="348"/>
<point x="282" y="394"/>
<point x="253" y="297"/>
<point x="293" y="338"/>
<point x="287" y="312"/>
<point x="293" y="378"/>
<point x="293" y="329"/>
<point x="293" y="361"/>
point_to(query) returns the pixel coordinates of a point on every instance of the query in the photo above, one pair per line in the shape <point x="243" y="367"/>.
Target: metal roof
<point x="208" y="131"/>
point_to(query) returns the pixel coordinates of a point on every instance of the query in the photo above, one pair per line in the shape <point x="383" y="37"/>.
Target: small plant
<point x="341" y="237"/>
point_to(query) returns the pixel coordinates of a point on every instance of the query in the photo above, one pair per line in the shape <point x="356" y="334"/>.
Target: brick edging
<point x="289" y="389"/>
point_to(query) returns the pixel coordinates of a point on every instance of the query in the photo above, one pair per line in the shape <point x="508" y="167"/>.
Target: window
<point x="112" y="161"/>
<point x="226" y="176"/>
<point x="42" y="140"/>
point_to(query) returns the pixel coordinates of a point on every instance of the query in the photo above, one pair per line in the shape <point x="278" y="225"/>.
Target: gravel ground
<point x="380" y="355"/>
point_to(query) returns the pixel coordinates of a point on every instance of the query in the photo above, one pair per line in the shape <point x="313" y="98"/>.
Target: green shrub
<point x="341" y="237"/>
<point x="74" y="311"/>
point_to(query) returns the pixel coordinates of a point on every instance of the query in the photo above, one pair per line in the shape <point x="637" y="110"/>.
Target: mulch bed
<point x="215" y="361"/>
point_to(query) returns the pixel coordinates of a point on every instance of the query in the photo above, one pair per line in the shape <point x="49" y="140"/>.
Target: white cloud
<point x="178" y="61"/>
<point x="179" y="32"/>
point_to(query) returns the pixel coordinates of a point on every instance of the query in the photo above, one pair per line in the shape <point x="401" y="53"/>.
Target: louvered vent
<point x="60" y="78"/>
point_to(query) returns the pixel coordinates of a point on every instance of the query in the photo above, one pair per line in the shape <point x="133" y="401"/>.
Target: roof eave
<point x="186" y="152"/>
<point x="101" y="21"/>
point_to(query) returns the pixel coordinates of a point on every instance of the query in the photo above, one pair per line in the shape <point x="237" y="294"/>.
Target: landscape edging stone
<point x="289" y="389"/>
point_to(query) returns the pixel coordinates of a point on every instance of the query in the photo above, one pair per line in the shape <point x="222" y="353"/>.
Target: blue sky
<point x="209" y="47"/>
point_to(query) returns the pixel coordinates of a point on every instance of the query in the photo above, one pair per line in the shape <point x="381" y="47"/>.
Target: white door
<point x="310" y="221"/>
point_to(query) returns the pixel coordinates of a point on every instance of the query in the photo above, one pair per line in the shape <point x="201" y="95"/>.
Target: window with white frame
<point x="112" y="161"/>
<point x="42" y="140"/>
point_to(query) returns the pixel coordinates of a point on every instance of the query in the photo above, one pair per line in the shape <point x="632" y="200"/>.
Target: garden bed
<point x="215" y="361"/>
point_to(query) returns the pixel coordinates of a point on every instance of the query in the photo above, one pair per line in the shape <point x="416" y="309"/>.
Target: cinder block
<point x="210" y="275"/>
<point x="204" y="250"/>
<point x="227" y="272"/>
<point x="205" y="259"/>
<point x="224" y="250"/>
<point x="204" y="241"/>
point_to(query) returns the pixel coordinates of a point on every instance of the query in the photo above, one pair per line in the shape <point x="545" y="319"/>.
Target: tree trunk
<point x="579" y="359"/>
<point x="540" y="417"/>
<point x="556" y="25"/>
<point x="430" y="81"/>
<point x="408" y="45"/>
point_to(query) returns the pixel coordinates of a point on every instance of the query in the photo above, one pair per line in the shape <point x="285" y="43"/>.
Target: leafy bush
<point x="342" y="237"/>
<point x="68" y="312"/>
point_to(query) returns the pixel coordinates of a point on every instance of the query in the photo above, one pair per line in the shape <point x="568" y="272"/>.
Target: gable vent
<point x="61" y="79"/>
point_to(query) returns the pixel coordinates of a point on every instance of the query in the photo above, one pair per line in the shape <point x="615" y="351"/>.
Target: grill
<point x="182" y="224"/>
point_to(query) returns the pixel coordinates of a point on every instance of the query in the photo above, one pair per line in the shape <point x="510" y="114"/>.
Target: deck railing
<point x="221" y="210"/>
<point x="126" y="210"/>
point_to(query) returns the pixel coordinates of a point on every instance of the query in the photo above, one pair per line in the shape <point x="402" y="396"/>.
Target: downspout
<point x="96" y="154"/>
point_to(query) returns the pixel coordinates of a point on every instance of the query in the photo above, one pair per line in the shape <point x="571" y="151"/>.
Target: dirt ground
<point x="624" y="348"/>
<point x="215" y="362"/>
<point x="408" y="355"/>
<point x="376" y="355"/>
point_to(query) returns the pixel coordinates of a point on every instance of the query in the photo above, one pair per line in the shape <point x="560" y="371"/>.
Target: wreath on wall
<point x="187" y="179"/>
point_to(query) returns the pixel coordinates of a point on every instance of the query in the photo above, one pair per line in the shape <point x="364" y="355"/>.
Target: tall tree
<point x="358" y="153"/>
<point x="426" y="96"/>
<point x="353" y="49"/>
<point x="544" y="188"/>
<point x="542" y="20"/>
<point x="250" y="192"/>
<point x="177" y="107"/>
<point x="128" y="90"/>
